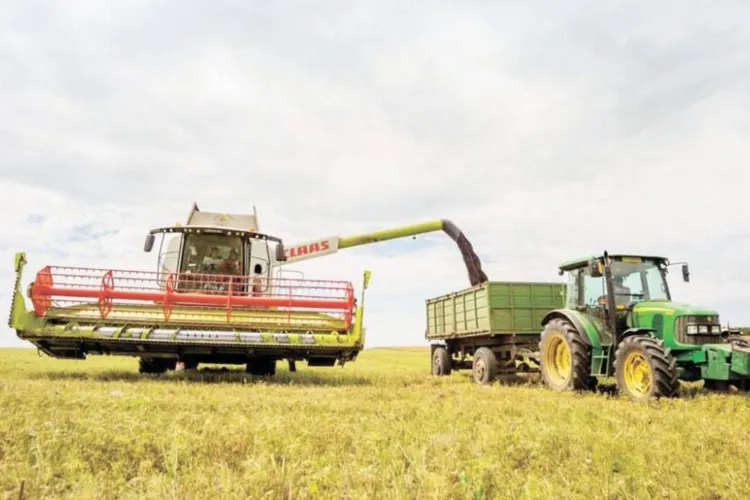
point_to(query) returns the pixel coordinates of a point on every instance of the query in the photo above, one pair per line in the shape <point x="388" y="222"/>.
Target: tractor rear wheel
<point x="441" y="361"/>
<point x="564" y="358"/>
<point x="645" y="369"/>
<point x="484" y="366"/>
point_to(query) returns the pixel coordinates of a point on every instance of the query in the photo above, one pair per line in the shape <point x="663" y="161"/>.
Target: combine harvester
<point x="615" y="317"/>
<point x="214" y="299"/>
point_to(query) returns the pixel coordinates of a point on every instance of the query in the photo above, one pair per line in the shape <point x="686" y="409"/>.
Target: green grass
<point x="381" y="427"/>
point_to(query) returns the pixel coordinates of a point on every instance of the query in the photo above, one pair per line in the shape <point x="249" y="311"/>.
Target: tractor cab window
<point x="593" y="288"/>
<point x="212" y="254"/>
<point x="584" y="290"/>
<point x="636" y="280"/>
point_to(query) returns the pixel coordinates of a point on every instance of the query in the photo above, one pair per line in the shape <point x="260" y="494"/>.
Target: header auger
<point x="214" y="299"/>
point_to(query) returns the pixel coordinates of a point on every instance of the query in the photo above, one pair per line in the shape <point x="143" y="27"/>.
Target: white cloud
<point x="544" y="133"/>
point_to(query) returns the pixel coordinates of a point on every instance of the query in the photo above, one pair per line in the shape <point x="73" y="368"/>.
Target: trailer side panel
<point x="492" y="308"/>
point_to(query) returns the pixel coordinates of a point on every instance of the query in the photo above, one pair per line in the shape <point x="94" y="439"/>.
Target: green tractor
<point x="619" y="321"/>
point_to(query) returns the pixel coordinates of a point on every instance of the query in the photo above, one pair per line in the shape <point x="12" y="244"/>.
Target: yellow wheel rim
<point x="557" y="359"/>
<point x="637" y="374"/>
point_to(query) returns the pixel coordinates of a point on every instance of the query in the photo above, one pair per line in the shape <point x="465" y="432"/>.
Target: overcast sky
<point x="544" y="130"/>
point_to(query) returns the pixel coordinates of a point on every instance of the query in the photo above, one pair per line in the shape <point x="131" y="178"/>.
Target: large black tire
<point x="564" y="358"/>
<point x="484" y="366"/>
<point x="645" y="369"/>
<point x="190" y="364"/>
<point x="262" y="366"/>
<point x="152" y="365"/>
<point x="441" y="362"/>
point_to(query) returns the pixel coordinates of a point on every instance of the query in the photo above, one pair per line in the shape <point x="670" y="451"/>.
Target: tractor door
<point x="587" y="293"/>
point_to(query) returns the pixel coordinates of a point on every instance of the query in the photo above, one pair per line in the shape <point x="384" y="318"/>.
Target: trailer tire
<point x="484" y="366"/>
<point x="639" y="355"/>
<point x="564" y="358"/>
<point x="441" y="361"/>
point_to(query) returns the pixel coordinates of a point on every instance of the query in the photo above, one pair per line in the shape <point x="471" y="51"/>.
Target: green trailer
<point x="495" y="323"/>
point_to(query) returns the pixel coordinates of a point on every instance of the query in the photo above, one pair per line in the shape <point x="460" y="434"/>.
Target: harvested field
<point x="381" y="427"/>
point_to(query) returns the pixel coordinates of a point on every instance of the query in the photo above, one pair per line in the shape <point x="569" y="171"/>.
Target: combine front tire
<point x="484" y="368"/>
<point x="152" y="365"/>
<point x="645" y="369"/>
<point x="564" y="358"/>
<point x="441" y="361"/>
<point x="262" y="366"/>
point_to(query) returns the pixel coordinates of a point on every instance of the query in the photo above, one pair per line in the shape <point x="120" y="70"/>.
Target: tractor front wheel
<point x="564" y="359"/>
<point x="645" y="369"/>
<point x="441" y="362"/>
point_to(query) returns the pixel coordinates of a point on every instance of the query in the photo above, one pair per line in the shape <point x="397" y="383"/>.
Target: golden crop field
<point x="381" y="427"/>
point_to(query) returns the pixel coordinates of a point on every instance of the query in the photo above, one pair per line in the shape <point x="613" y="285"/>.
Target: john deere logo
<point x="222" y="218"/>
<point x="710" y="319"/>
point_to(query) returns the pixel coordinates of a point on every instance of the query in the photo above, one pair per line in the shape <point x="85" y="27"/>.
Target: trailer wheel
<point x="262" y="366"/>
<point x="645" y="369"/>
<point x="564" y="359"/>
<point x="441" y="362"/>
<point x="484" y="366"/>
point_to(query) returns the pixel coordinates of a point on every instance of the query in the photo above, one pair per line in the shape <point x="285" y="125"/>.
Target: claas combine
<point x="219" y="295"/>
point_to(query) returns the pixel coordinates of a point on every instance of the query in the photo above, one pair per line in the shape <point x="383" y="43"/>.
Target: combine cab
<point x="212" y="300"/>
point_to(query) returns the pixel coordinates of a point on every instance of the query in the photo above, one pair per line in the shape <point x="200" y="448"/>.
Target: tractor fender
<point x="589" y="332"/>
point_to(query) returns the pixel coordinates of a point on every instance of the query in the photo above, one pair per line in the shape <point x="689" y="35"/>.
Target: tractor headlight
<point x="716" y="329"/>
<point x="703" y="329"/>
<point x="692" y="329"/>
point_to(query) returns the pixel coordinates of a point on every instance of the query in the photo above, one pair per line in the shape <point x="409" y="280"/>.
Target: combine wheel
<point x="645" y="369"/>
<point x="151" y="365"/>
<point x="564" y="359"/>
<point x="441" y="361"/>
<point x="262" y="366"/>
<point x="484" y="368"/>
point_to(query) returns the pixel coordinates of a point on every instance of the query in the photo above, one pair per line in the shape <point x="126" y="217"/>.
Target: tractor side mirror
<point x="280" y="254"/>
<point x="149" y="244"/>
<point x="685" y="273"/>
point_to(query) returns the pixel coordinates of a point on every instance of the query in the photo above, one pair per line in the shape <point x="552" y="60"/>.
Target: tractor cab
<point x="610" y="286"/>
<point x="213" y="250"/>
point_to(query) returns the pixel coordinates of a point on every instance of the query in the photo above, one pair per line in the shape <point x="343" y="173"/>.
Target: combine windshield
<point x="212" y="254"/>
